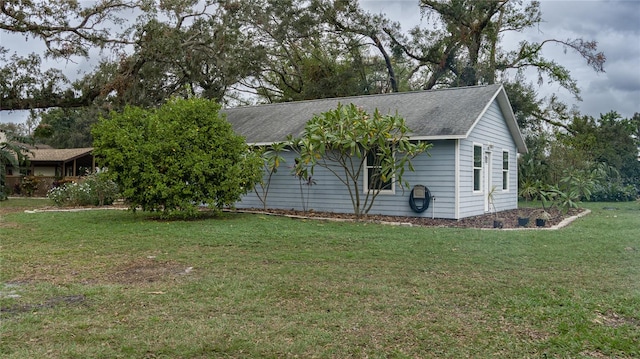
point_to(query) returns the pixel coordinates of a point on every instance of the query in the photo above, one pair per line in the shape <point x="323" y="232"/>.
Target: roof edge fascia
<point x="505" y="106"/>
<point x="512" y="123"/>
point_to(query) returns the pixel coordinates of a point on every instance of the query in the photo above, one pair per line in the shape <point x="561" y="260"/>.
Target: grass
<point x="112" y="284"/>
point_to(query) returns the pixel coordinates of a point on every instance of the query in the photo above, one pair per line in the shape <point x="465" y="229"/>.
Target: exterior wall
<point x="328" y="194"/>
<point x="450" y="165"/>
<point x="494" y="136"/>
<point x="47" y="171"/>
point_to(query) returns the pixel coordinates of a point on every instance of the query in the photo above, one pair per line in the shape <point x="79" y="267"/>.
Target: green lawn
<point x="113" y="284"/>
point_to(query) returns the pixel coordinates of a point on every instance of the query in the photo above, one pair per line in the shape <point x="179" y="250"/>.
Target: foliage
<point x="68" y="29"/>
<point x="29" y="185"/>
<point x="305" y="181"/>
<point x="67" y="127"/>
<point x="94" y="190"/>
<point x="585" y="157"/>
<point x="614" y="192"/>
<point x="179" y="47"/>
<point x="464" y="47"/>
<point x="13" y="153"/>
<point x="608" y="139"/>
<point x="176" y="158"/>
<point x="304" y="58"/>
<point x="279" y="50"/>
<point x="392" y="72"/>
<point x="340" y="141"/>
<point x="271" y="159"/>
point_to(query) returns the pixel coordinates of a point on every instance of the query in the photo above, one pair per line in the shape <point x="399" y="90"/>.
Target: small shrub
<point x="102" y="190"/>
<point x="29" y="185"/>
<point x="95" y="190"/>
<point x="614" y="192"/>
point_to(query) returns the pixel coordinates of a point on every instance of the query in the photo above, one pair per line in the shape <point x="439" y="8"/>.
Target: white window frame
<point x="479" y="169"/>
<point x="506" y="171"/>
<point x="367" y="167"/>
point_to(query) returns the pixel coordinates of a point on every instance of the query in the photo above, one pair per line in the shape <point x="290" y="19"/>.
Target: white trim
<point x="473" y="168"/>
<point x="508" y="171"/>
<point x="487" y="176"/>
<point x="507" y="113"/>
<point x="456" y="189"/>
<point x="365" y="177"/>
<point x="435" y="138"/>
<point x="255" y="144"/>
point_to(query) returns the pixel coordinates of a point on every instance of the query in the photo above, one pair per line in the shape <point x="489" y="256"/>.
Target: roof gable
<point x="436" y="114"/>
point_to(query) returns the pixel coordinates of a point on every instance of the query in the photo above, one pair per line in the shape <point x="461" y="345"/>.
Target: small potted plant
<point x="497" y="222"/>
<point x="542" y="218"/>
<point x="523" y="220"/>
<point x="528" y="191"/>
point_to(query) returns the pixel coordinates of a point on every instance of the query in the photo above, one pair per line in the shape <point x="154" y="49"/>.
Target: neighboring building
<point x="476" y="144"/>
<point x="51" y="164"/>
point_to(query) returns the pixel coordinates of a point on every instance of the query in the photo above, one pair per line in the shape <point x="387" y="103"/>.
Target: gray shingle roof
<point x="435" y="114"/>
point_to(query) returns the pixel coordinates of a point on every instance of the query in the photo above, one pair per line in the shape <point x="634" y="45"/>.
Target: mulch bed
<point x="508" y="218"/>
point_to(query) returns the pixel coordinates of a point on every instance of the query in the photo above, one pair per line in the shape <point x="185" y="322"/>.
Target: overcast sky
<point x="614" y="24"/>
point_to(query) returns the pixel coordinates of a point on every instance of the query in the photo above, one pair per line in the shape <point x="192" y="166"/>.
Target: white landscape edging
<point x="565" y="222"/>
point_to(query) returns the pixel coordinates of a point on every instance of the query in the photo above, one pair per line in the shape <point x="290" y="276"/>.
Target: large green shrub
<point x="176" y="157"/>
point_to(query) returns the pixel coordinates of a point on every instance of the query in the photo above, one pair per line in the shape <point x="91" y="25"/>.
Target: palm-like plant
<point x="13" y="153"/>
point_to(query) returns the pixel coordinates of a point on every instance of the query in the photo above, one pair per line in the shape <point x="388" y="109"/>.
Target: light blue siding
<point x="437" y="172"/>
<point x="493" y="134"/>
<point x="329" y="194"/>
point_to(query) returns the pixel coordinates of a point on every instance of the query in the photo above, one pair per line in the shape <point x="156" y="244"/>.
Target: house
<point x="51" y="164"/>
<point x="476" y="144"/>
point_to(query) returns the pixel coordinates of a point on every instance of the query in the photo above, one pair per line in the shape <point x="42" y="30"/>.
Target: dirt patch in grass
<point x="49" y="303"/>
<point x="135" y="272"/>
<point x="8" y="225"/>
<point x="145" y="270"/>
<point x="614" y="320"/>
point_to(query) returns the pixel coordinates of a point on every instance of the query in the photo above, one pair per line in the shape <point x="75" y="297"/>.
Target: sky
<point x="614" y="24"/>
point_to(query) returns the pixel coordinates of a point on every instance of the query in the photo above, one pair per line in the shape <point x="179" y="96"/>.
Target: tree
<point x="67" y="127"/>
<point x="176" y="157"/>
<point x="635" y="128"/>
<point x="271" y="159"/>
<point x="464" y="47"/>
<point x="69" y="29"/>
<point x="196" y="52"/>
<point x="585" y="159"/>
<point x="366" y="30"/>
<point x="609" y="139"/>
<point x="13" y="152"/>
<point x="347" y="140"/>
<point x="177" y="48"/>
<point x="303" y="59"/>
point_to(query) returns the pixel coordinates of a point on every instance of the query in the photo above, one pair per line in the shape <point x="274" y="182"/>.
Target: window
<point x="477" y="168"/>
<point x="505" y="170"/>
<point x="373" y="177"/>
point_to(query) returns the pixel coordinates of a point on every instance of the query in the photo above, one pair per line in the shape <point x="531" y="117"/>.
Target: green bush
<point x="29" y="185"/>
<point x="614" y="192"/>
<point x="176" y="157"/>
